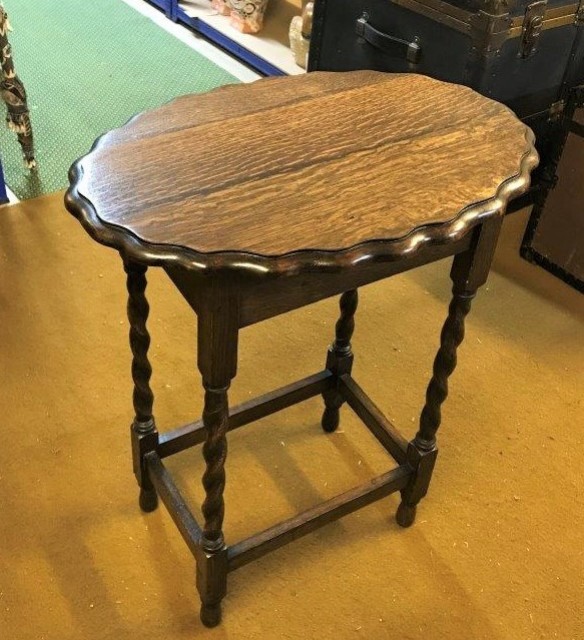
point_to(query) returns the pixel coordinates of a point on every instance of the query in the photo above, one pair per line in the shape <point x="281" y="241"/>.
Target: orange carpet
<point x="496" y="553"/>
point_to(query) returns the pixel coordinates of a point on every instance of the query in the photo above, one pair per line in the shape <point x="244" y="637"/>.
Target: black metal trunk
<point x="524" y="54"/>
<point x="528" y="55"/>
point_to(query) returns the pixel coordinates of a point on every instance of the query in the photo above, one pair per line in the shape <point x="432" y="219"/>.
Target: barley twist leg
<point x="422" y="452"/>
<point x="143" y="430"/>
<point x="214" y="452"/>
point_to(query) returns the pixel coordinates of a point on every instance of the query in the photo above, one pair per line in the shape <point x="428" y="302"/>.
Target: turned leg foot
<point x="148" y="500"/>
<point x="210" y="614"/>
<point x="330" y="419"/>
<point x="339" y="360"/>
<point x="406" y="514"/>
<point x="212" y="580"/>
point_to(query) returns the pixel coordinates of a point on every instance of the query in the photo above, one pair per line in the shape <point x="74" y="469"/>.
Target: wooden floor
<point x="495" y="554"/>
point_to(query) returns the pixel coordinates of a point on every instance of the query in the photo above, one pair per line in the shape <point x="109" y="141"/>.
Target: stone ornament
<point x="299" y="34"/>
<point x="247" y="16"/>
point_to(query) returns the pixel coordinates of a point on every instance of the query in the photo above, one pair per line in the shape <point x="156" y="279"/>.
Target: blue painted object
<point x="165" y="5"/>
<point x="241" y="53"/>
<point x="3" y="193"/>
<point x="175" y="13"/>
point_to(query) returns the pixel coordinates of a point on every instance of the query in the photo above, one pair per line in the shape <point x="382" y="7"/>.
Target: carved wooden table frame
<point x="230" y="291"/>
<point x="226" y="298"/>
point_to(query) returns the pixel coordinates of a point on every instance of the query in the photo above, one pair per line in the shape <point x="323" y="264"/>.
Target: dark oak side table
<point x="259" y="199"/>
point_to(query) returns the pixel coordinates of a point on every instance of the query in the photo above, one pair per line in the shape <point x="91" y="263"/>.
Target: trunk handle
<point x="396" y="47"/>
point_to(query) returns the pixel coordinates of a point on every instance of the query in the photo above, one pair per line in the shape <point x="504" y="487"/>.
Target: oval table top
<point x="318" y="169"/>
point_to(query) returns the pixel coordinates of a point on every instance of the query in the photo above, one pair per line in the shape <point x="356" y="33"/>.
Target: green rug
<point x="88" y="67"/>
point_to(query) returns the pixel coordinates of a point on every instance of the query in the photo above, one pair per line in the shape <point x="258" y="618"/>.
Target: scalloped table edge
<point x="134" y="248"/>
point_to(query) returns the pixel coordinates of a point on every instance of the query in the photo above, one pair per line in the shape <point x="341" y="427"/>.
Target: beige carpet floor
<point x="496" y="553"/>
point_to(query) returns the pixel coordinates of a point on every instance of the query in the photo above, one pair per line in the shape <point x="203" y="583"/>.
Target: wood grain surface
<point x="323" y="161"/>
